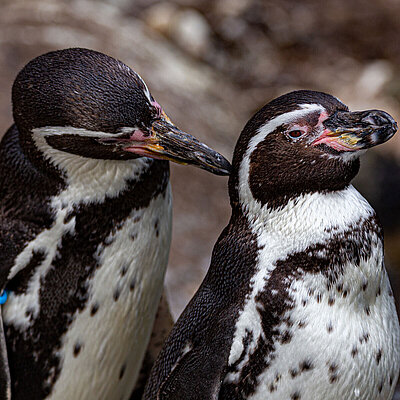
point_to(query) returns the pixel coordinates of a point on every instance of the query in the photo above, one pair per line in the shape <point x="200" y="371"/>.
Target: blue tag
<point x="3" y="296"/>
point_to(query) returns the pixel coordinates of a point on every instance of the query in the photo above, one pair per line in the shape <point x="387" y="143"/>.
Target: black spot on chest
<point x="77" y="349"/>
<point x="122" y="371"/>
<point x="94" y="308"/>
<point x="116" y="294"/>
<point x="333" y="372"/>
<point x="295" y="396"/>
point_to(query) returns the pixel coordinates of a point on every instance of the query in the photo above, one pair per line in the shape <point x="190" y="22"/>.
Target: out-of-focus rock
<point x="230" y="8"/>
<point x="232" y="28"/>
<point x="191" y="31"/>
<point x="160" y="16"/>
<point x="211" y="64"/>
<point x="373" y="77"/>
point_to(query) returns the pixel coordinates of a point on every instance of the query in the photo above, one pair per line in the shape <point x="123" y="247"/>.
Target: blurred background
<point x="212" y="64"/>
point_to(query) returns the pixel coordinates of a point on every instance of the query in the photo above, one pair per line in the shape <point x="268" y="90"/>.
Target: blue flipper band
<point x="3" y="296"/>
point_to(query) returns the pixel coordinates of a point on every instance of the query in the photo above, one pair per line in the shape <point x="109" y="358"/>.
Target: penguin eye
<point x="295" y="134"/>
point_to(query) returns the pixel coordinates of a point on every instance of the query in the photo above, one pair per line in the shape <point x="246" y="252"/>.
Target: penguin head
<point x="86" y="103"/>
<point x="303" y="142"/>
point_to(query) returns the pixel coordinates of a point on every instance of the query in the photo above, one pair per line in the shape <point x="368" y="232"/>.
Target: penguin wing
<point x="5" y="381"/>
<point x="21" y="218"/>
<point x="14" y="234"/>
<point x="9" y="249"/>
<point x="193" y="362"/>
<point x="196" y="377"/>
<point x="198" y="374"/>
<point x="161" y="328"/>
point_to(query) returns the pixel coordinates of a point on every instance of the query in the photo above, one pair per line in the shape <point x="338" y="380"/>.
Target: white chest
<point x="341" y="343"/>
<point x="106" y="342"/>
<point x="329" y="336"/>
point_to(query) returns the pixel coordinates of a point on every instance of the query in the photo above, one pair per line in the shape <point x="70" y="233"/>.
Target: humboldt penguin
<point x="85" y="214"/>
<point x="296" y="304"/>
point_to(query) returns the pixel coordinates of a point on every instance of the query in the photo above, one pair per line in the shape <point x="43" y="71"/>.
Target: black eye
<point x="296" y="134"/>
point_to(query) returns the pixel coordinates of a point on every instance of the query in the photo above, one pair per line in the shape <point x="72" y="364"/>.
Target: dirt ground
<point x="211" y="64"/>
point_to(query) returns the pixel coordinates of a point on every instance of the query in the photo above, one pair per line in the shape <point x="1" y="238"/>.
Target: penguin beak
<point x="359" y="130"/>
<point x="165" y="141"/>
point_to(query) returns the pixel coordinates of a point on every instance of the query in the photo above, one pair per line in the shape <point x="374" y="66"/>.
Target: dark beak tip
<point x="211" y="161"/>
<point x="388" y="128"/>
<point x="379" y="118"/>
<point x="226" y="166"/>
<point x="222" y="168"/>
<point x="223" y="172"/>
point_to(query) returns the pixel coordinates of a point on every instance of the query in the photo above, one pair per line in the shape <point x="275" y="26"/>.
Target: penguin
<point x="297" y="303"/>
<point x="85" y="213"/>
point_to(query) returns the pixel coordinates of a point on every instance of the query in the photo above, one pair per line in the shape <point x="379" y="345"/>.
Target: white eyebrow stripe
<point x="285" y="118"/>
<point x="125" y="67"/>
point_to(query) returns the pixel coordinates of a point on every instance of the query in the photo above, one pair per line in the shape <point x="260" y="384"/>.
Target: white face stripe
<point x="70" y="130"/>
<point x="89" y="179"/>
<point x="146" y="89"/>
<point x="245" y="195"/>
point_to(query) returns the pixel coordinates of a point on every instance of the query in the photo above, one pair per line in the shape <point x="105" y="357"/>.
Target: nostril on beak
<point x="378" y="118"/>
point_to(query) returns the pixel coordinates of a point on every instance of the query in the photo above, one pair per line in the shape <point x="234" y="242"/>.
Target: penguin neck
<point x="310" y="217"/>
<point x="331" y="234"/>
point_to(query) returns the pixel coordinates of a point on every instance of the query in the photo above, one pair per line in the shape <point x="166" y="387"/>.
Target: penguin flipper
<point x="197" y="376"/>
<point x="161" y="328"/>
<point x="5" y="380"/>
